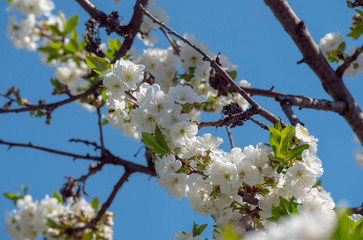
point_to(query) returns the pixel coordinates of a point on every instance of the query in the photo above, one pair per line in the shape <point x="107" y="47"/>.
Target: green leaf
<point x="99" y="65"/>
<point x="359" y="11"/>
<point x="349" y="4"/>
<point x="57" y="196"/>
<point x="233" y="74"/>
<point x="343" y="228"/>
<point x="278" y="126"/>
<point x="198" y="230"/>
<point x="55" y="30"/>
<point x="88" y="236"/>
<point x="104" y="96"/>
<point x="71" y="24"/>
<point x="95" y="204"/>
<point x="297" y="151"/>
<point x="151" y="142"/>
<point x="286" y="136"/>
<point x="357" y="229"/>
<point x="342" y="46"/>
<point x="52" y="224"/>
<point x="160" y="138"/>
<point x="279" y="169"/>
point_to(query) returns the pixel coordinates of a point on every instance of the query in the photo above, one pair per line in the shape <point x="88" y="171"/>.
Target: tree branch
<point x="92" y="224"/>
<point x="242" y="116"/>
<point x="108" y="159"/>
<point x="50" y="107"/>
<point x="287" y="109"/>
<point x="332" y="83"/>
<point x="300" y="101"/>
<point x="347" y="61"/>
<point x="133" y="28"/>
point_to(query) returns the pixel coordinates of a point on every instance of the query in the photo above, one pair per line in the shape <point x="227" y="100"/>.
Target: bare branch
<point x="242" y="116"/>
<point x="230" y="136"/>
<point x="108" y="159"/>
<point x="318" y="104"/>
<point x="300" y="101"/>
<point x="286" y="107"/>
<point x="100" y="130"/>
<point x="105" y="205"/>
<point x="50" y="107"/>
<point x="172" y="44"/>
<point x="332" y="83"/>
<point x="91" y="9"/>
<point x="133" y="28"/>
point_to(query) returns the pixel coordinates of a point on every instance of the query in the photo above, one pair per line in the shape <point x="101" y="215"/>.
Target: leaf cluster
<point x="285" y="146"/>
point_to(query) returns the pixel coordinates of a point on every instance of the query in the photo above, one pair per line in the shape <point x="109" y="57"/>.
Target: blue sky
<point x="250" y="36"/>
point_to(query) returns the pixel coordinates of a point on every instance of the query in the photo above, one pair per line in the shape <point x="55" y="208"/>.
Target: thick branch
<point x="287" y="109"/>
<point x="91" y="9"/>
<point x="133" y="27"/>
<point x="332" y="83"/>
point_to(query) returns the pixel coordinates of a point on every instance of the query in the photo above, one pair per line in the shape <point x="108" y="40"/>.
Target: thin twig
<point x="100" y="130"/>
<point x="92" y="224"/>
<point x="172" y="44"/>
<point x="230" y="136"/>
<point x="108" y="159"/>
<point x="347" y="61"/>
<point x="263" y="112"/>
<point x="263" y="126"/>
<point x="226" y="121"/>
<point x="50" y="107"/>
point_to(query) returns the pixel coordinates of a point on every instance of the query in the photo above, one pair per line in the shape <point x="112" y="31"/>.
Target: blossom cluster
<point x="228" y="186"/>
<point x="34" y="32"/>
<point x="330" y="42"/>
<point x="50" y="218"/>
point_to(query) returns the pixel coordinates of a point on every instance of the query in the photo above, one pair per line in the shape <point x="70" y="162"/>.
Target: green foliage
<point x="357" y="26"/>
<point x="113" y="47"/>
<point x="70" y="25"/>
<point x="57" y="196"/>
<point x="284" y="208"/>
<point x="99" y="65"/>
<point x="95" y="203"/>
<point x="233" y="74"/>
<point x="347" y="229"/>
<point x="16" y="196"/>
<point x="156" y="143"/>
<point x="284" y="146"/>
<point x="229" y="233"/>
<point x="198" y="230"/>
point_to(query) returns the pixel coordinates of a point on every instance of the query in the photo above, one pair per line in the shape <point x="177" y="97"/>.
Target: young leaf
<point x="160" y="138"/>
<point x="57" y="196"/>
<point x="198" y="230"/>
<point x="151" y="142"/>
<point x="278" y="126"/>
<point x="71" y="24"/>
<point x="99" y="65"/>
<point x="286" y="136"/>
<point x="297" y="151"/>
<point x="95" y="204"/>
<point x="233" y="74"/>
